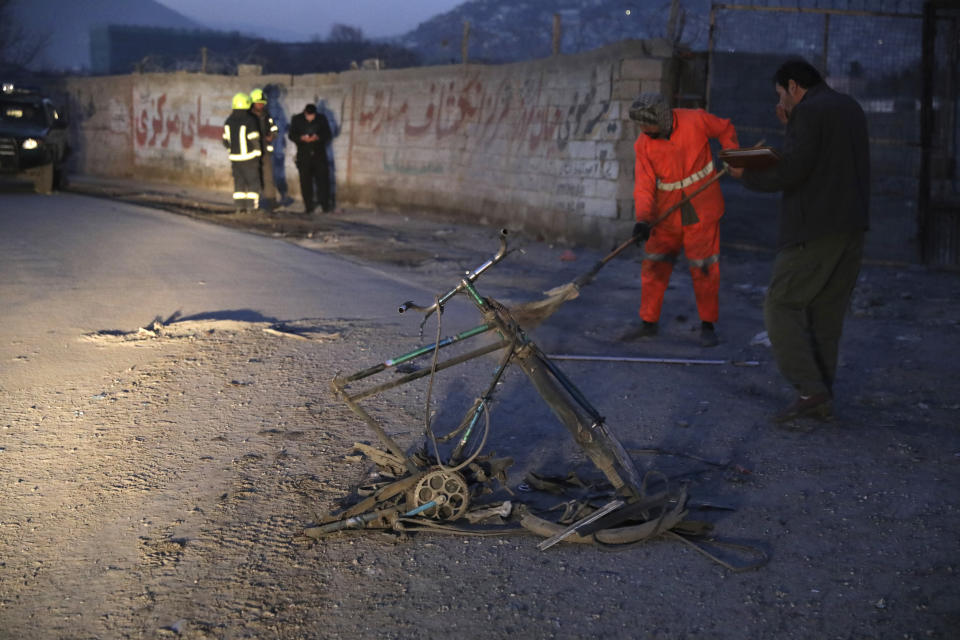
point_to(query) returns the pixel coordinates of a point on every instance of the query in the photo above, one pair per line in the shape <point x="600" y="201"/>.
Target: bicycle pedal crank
<point x="447" y="489"/>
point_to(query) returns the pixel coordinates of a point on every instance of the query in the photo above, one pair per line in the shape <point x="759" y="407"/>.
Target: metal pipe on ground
<point x="648" y="360"/>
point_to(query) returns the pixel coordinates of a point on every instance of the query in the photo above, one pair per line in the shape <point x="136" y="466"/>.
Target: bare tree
<point x="18" y="47"/>
<point x="345" y="33"/>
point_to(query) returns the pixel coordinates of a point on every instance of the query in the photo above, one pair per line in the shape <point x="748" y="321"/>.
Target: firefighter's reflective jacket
<point x="241" y="135"/>
<point x="268" y="129"/>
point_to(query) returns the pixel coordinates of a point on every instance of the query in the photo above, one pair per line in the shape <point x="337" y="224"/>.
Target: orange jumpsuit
<point x="665" y="171"/>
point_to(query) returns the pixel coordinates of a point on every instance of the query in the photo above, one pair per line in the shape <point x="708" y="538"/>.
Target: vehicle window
<point x="21" y="112"/>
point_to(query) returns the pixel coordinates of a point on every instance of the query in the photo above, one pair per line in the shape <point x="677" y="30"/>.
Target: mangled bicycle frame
<point x="425" y="491"/>
<point x="434" y="489"/>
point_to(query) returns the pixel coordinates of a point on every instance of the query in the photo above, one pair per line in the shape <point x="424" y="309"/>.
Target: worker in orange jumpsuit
<point x="673" y="159"/>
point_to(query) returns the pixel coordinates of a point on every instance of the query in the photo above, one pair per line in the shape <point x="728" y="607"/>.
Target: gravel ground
<point x="169" y="499"/>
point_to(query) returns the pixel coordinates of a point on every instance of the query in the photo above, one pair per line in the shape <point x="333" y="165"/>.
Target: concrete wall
<point x="543" y="145"/>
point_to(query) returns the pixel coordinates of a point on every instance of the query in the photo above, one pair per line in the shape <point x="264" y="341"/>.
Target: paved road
<point x="71" y="265"/>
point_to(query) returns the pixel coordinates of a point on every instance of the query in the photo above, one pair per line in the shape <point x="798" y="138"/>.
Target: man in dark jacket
<point x="824" y="174"/>
<point x="310" y="131"/>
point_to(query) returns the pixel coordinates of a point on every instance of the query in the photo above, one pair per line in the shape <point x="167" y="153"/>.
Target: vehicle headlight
<point x="30" y="143"/>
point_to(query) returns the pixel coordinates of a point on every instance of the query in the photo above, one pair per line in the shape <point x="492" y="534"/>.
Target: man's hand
<point x="641" y="232"/>
<point x="735" y="172"/>
<point x="783" y="114"/>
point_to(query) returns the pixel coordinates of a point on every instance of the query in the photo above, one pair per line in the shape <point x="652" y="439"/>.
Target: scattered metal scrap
<point x="446" y="484"/>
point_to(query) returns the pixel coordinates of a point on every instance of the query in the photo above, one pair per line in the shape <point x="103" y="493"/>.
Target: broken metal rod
<point x="416" y="353"/>
<point x="476" y="353"/>
<point x="596" y="515"/>
<point x="736" y="363"/>
<point x="568" y="385"/>
<point x="382" y="435"/>
<point x="481" y="404"/>
<point x="358" y="522"/>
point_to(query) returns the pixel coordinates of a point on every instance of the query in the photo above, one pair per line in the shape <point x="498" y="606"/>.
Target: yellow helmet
<point x="241" y="101"/>
<point x="257" y="96"/>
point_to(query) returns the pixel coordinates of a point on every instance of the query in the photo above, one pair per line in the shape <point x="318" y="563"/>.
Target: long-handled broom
<point x="530" y="314"/>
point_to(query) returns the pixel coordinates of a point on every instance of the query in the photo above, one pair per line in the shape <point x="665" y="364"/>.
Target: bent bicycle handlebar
<point x="469" y="278"/>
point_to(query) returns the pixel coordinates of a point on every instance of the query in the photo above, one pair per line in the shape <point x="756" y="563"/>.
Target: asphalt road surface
<point x="72" y="264"/>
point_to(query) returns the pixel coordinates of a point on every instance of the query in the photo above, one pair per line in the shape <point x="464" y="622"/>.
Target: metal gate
<point x="939" y="192"/>
<point x="874" y="56"/>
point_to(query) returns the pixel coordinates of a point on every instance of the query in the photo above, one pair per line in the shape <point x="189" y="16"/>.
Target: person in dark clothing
<point x="824" y="177"/>
<point x="241" y="136"/>
<point x="268" y="131"/>
<point x="310" y="131"/>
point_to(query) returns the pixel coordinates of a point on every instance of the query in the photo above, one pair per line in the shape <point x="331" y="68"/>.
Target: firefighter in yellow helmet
<point x="241" y="136"/>
<point x="268" y="132"/>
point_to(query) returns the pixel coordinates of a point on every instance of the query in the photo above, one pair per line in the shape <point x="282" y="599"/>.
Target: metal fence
<point x="939" y="200"/>
<point x="870" y="50"/>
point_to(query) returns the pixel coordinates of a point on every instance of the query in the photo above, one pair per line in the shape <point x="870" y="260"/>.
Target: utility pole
<point x="672" y="34"/>
<point x="556" y="34"/>
<point x="465" y="44"/>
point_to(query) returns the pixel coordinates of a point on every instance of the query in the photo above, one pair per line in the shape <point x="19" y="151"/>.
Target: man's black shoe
<point x="645" y="330"/>
<point x="819" y="407"/>
<point x="708" y="335"/>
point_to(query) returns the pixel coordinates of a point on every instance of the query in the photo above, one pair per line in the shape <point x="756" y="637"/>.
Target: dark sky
<point x="303" y="19"/>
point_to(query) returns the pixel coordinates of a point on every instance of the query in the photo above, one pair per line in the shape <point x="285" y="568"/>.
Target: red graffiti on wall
<point x="537" y="126"/>
<point x="381" y="114"/>
<point x="417" y="130"/>
<point x="206" y="130"/>
<point x="495" y="109"/>
<point x="458" y="107"/>
<point x="510" y="110"/>
<point x="446" y="113"/>
<point x="155" y="127"/>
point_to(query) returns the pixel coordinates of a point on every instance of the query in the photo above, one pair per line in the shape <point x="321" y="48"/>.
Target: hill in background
<point x="512" y="30"/>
